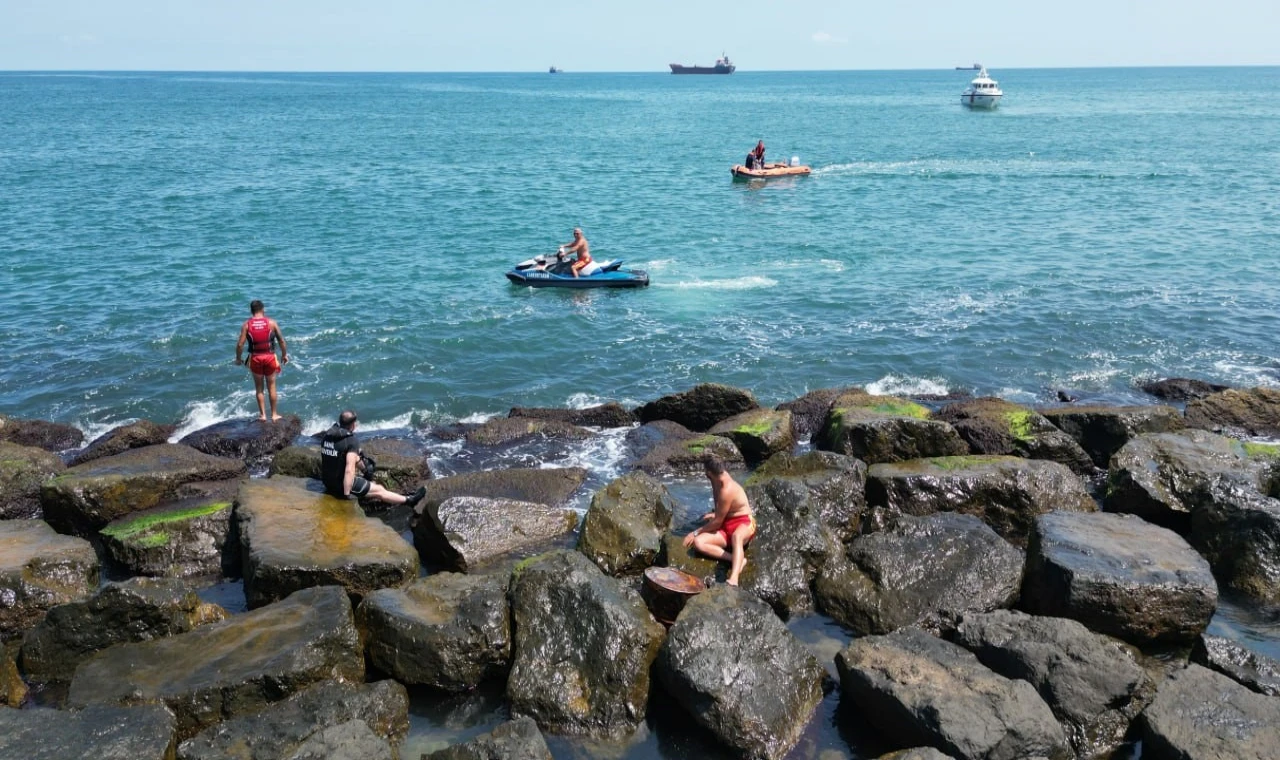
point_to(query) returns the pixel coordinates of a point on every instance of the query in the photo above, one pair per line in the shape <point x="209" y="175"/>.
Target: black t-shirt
<point x="334" y="446"/>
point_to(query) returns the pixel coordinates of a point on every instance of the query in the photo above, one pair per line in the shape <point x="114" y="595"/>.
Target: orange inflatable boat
<point x="769" y="171"/>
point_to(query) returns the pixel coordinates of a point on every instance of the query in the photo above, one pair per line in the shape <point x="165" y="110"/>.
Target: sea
<point x="1100" y="228"/>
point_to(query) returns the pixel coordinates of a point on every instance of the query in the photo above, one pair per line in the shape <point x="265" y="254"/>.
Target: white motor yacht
<point x="982" y="92"/>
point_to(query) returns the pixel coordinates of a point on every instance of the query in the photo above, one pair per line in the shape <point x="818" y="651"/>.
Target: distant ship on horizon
<point x="723" y="66"/>
<point x="556" y="70"/>
<point x="970" y="67"/>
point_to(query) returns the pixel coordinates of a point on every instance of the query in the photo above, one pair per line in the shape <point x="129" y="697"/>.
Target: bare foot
<point x="276" y="418"/>
<point x="731" y="581"/>
<point x="262" y="419"/>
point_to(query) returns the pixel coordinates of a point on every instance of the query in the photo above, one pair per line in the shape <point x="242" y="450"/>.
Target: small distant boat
<point x="982" y="92"/>
<point x="769" y="171"/>
<point x="723" y="66"/>
<point x="970" y="67"/>
<point x="555" y="70"/>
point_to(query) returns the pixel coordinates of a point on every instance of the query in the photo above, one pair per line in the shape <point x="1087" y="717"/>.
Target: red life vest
<point x="259" y="331"/>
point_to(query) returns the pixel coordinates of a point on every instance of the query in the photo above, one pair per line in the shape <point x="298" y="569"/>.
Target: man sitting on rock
<point x="730" y="526"/>
<point x="340" y="458"/>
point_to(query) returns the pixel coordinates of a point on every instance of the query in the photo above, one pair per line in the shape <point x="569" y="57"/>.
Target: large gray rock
<point x="517" y="739"/>
<point x="292" y="538"/>
<point x="995" y="426"/>
<point x="622" y="531"/>
<point x="1201" y="715"/>
<point x="1180" y="388"/>
<point x="42" y="434"/>
<point x="1093" y="683"/>
<point x="1103" y="430"/>
<point x="1238" y="530"/>
<point x="246" y="438"/>
<point x="1156" y="476"/>
<point x="758" y="434"/>
<point x="186" y="537"/>
<point x="284" y="728"/>
<point x="138" y="609"/>
<point x="120" y="439"/>
<point x="649" y="436"/>
<point x="699" y="408"/>
<point x="879" y="429"/>
<point x="87" y="497"/>
<point x="1237" y="412"/>
<point x="607" y="415"/>
<point x="584" y="644"/>
<point x="231" y="668"/>
<point x="448" y="631"/>
<point x="465" y="532"/>
<point x="923" y="690"/>
<point x="1243" y="665"/>
<point x="808" y="411"/>
<point x="740" y="673"/>
<point x="783" y="560"/>
<point x="40" y="569"/>
<point x="685" y="458"/>
<point x="353" y="740"/>
<point x="504" y="431"/>
<point x="1007" y="493"/>
<point x="819" y="484"/>
<point x="1119" y="575"/>
<point x="552" y="486"/>
<point x="23" y="469"/>
<point x="924" y="570"/>
<point x="142" y="732"/>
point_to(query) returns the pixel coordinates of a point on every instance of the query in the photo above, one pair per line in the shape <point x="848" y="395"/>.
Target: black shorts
<point x="359" y="486"/>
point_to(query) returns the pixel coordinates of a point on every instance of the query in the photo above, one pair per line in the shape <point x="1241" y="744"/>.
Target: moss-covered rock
<point x="40" y="569"/>
<point x="808" y="411"/>
<point x="686" y="457"/>
<point x="758" y="434"/>
<point x="822" y="485"/>
<point x="622" y="531"/>
<point x="178" y="539"/>
<point x="23" y="469"/>
<point x="885" y="429"/>
<point x="996" y="426"/>
<point x="699" y="408"/>
<point x="135" y="435"/>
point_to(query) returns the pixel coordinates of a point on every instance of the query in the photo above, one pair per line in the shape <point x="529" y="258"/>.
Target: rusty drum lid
<point x="674" y="581"/>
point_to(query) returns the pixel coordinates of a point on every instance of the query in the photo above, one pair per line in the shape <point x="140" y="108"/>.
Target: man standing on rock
<point x="731" y="526"/>
<point x="262" y="333"/>
<point x="340" y="457"/>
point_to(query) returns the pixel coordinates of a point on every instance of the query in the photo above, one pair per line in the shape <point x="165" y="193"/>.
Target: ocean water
<point x="1101" y="227"/>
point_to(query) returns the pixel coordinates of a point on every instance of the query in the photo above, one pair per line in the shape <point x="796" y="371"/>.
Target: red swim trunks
<point x="264" y="365"/>
<point x="731" y="524"/>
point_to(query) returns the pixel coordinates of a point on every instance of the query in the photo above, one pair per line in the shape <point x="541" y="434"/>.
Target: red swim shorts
<point x="264" y="365"/>
<point x="733" y="523"/>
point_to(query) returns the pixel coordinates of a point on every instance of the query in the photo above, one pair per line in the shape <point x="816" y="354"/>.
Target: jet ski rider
<point x="581" y="247"/>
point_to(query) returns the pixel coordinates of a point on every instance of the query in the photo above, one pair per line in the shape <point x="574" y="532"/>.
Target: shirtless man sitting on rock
<point x="730" y="527"/>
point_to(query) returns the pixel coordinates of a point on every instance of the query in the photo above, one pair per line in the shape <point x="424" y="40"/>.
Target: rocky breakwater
<point x="293" y="538"/>
<point x="87" y="497"/>
<point x="996" y="426"/>
<point x="234" y="667"/>
<point x="39" y="570"/>
<point x="250" y="440"/>
<point x="879" y="429"/>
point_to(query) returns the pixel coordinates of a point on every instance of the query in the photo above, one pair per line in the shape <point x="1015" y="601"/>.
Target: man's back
<point x="336" y="443"/>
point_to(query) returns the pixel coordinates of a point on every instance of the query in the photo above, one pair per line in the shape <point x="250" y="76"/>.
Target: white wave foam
<point x="1248" y="375"/>
<point x="1018" y="396"/>
<point x="659" y="265"/>
<point x="905" y="385"/>
<point x="750" y="282"/>
<point x="202" y="414"/>
<point x="585" y="401"/>
<point x="479" y="418"/>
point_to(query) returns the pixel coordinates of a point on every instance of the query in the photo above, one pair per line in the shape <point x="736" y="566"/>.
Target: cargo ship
<point x="723" y="66"/>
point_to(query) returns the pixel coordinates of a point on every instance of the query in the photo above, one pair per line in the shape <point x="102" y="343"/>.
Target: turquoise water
<point x="1100" y="227"/>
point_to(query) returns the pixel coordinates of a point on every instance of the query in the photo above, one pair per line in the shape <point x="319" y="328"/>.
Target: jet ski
<point x="556" y="272"/>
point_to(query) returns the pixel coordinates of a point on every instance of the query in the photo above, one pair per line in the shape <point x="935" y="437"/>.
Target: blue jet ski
<point x="542" y="272"/>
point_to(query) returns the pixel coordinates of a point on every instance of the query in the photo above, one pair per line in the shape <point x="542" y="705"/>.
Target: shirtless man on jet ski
<point x="581" y="247"/>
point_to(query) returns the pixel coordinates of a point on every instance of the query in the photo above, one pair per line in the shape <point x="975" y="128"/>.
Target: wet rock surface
<point x="138" y="609"/>
<point x="186" y="537"/>
<point x="143" y="732"/>
<point x="607" y="415"/>
<point x="758" y="704"/>
<point x="1103" y="430"/>
<point x="87" y="497"/>
<point x="13" y="690"/>
<point x="623" y="528"/>
<point x="685" y="458"/>
<point x="783" y="560"/>
<point x="1118" y="575"/>
<point x="926" y="691"/>
<point x="42" y="434"/>
<point x="808" y="411"/>
<point x="699" y="408"/>
<point x="447" y="631"/>
<point x="39" y="570"/>
<point x="996" y="426"/>
<point x="584" y="644"/>
<point x="1243" y="665"/>
<point x="925" y="570"/>
<point x="289" y="728"/>
<point x="247" y="439"/>
<point x="879" y="429"/>
<point x="504" y="431"/>
<point x="758" y="434"/>
<point x="1237" y="412"/>
<point x="517" y="739"/>
<point x="465" y="532"/>
<point x="1237" y="530"/>
<point x="674" y="554"/>
<point x="918" y="753"/>
<point x="1093" y="683"/>
<point x="118" y="440"/>
<point x="234" y="667"/>
<point x="821" y="485"/>
<point x="23" y="469"/>
<point x="1007" y="493"/>
<point x="551" y="487"/>
<point x="292" y="538"/>
<point x="353" y="740"/>
<point x="1198" y="713"/>
<point x="641" y="440"/>
<point x="1181" y="388"/>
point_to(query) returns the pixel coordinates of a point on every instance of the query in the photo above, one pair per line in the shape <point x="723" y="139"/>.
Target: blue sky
<point x="602" y="35"/>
